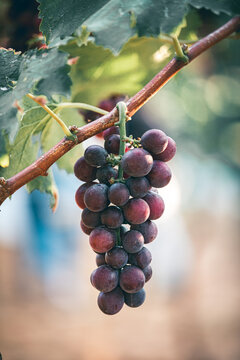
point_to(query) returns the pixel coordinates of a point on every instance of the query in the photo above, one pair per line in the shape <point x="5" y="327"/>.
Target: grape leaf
<point x="98" y="73"/>
<point x="230" y="7"/>
<point x="150" y="18"/>
<point x="113" y="22"/>
<point x="26" y="145"/>
<point x="45" y="184"/>
<point x="9" y="65"/>
<point x="61" y="18"/>
<point x="20" y="73"/>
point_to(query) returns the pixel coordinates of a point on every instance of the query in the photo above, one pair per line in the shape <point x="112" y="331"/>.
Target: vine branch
<point x="40" y="166"/>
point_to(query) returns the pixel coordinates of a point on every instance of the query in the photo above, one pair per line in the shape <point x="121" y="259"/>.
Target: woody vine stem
<point x="40" y="166"/>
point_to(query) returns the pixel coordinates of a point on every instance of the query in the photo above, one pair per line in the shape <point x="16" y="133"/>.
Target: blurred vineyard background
<point x="47" y="305"/>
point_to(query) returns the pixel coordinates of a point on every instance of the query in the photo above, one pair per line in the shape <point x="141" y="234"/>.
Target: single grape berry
<point x="112" y="217"/>
<point x="105" y="173"/>
<point x="135" y="300"/>
<point x="110" y="131"/>
<point x="85" y="229"/>
<point x="112" y="144"/>
<point x="137" y="162"/>
<point x="104" y="278"/>
<point x="95" y="155"/>
<point x="132" y="241"/>
<point x="136" y="211"/>
<point x="79" y="195"/>
<point x="141" y="259"/>
<point x="91" y="219"/>
<point x="138" y="187"/>
<point x="132" y="279"/>
<point x="148" y="229"/>
<point x="100" y="259"/>
<point x="102" y="240"/>
<point x="83" y="171"/>
<point x="168" y="153"/>
<point x="118" y="194"/>
<point x="95" y="197"/>
<point x="147" y="272"/>
<point x="154" y="141"/>
<point x="156" y="205"/>
<point x="160" y="175"/>
<point x="111" y="303"/>
<point x="116" y="258"/>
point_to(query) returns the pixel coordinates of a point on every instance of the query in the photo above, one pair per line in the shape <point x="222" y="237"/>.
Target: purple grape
<point x="112" y="217"/>
<point x="168" y="153"/>
<point x="111" y="303"/>
<point x="118" y="194"/>
<point x="160" y="175"/>
<point x="132" y="279"/>
<point x="141" y="259"/>
<point x="154" y="141"/>
<point x="116" y="258"/>
<point x="137" y="162"/>
<point x="100" y="259"/>
<point x="102" y="240"/>
<point x="110" y="131"/>
<point x="112" y="144"/>
<point x="95" y="197"/>
<point x="148" y="229"/>
<point x="83" y="171"/>
<point x="132" y="241"/>
<point x="85" y="229"/>
<point x="147" y="272"/>
<point x="136" y="211"/>
<point x="106" y="173"/>
<point x="135" y="300"/>
<point x="104" y="278"/>
<point x="79" y="195"/>
<point x="95" y="155"/>
<point x="138" y="187"/>
<point x="156" y="205"/>
<point x="91" y="219"/>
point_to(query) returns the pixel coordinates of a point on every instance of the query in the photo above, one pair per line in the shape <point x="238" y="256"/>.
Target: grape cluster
<point x="118" y="213"/>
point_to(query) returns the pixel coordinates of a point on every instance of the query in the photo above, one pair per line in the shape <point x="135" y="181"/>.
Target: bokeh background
<point x="47" y="305"/>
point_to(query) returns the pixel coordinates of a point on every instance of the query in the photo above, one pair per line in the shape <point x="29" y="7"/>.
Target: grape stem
<point x="178" y="49"/>
<point x="41" y="165"/>
<point x="122" y="109"/>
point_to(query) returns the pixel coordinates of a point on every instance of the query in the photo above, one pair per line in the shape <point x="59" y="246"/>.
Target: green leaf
<point x="230" y="7"/>
<point x="9" y="123"/>
<point x="45" y="184"/>
<point x="99" y="74"/>
<point x="20" y="73"/>
<point x="61" y="18"/>
<point x="112" y="23"/>
<point x="9" y="65"/>
<point x="26" y="146"/>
